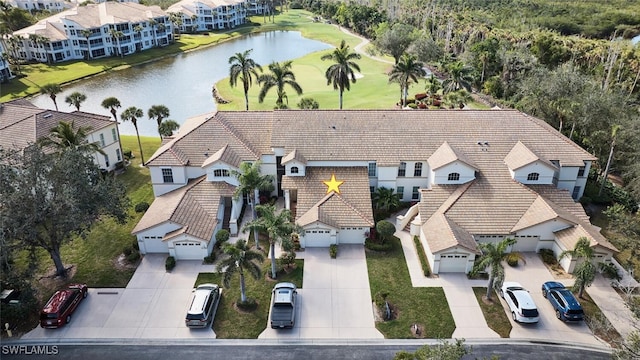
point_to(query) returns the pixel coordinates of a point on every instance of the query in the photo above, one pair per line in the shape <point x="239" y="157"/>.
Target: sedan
<point x="522" y="307"/>
<point x="565" y="304"/>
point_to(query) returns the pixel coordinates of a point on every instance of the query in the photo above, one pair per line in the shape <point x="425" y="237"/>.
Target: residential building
<point x="22" y="124"/>
<point x="40" y="5"/>
<point x="204" y="15"/>
<point x="5" y="68"/>
<point x="95" y="31"/>
<point x="473" y="175"/>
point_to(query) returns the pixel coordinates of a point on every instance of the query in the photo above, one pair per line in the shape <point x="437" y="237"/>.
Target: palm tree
<point x="243" y="67"/>
<point x="112" y="103"/>
<point x="457" y="98"/>
<point x="385" y="199"/>
<point x="158" y="112"/>
<point x="117" y="35"/>
<point x="52" y="90"/>
<point x="66" y="136"/>
<point x="406" y="71"/>
<point x="492" y="256"/>
<point x="87" y="34"/>
<point x="137" y="30"/>
<point x="75" y="99"/>
<point x="168" y="127"/>
<point x="585" y="270"/>
<point x="132" y="114"/>
<point x="240" y="258"/>
<point x="341" y="73"/>
<point x="459" y="77"/>
<point x="251" y="183"/>
<point x="277" y="226"/>
<point x="280" y="76"/>
<point x="153" y="23"/>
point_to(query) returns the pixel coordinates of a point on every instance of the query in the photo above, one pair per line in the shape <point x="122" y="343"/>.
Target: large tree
<point x="245" y="69"/>
<point x="585" y="270"/>
<point x="52" y="90"/>
<point x="385" y="199"/>
<point x="394" y="40"/>
<point x="158" y="112"/>
<point x="278" y="227"/>
<point x="492" y="256"/>
<point x="167" y="128"/>
<point x="240" y="258"/>
<point x="408" y="70"/>
<point x="75" y="99"/>
<point x="279" y="76"/>
<point x="132" y="114"/>
<point x="341" y="74"/>
<point x="67" y="136"/>
<point x="112" y="103"/>
<point x="460" y="77"/>
<point x="49" y="199"/>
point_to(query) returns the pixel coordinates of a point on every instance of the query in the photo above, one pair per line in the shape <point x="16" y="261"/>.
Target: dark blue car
<point x="566" y="306"/>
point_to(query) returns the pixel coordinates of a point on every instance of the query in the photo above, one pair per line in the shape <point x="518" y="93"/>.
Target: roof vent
<point x="333" y="127"/>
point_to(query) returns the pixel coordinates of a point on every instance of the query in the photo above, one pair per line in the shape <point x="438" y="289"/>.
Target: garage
<point x="188" y="250"/>
<point x="526" y="243"/>
<point x="317" y="238"/>
<point x="453" y="263"/>
<point x="352" y="235"/>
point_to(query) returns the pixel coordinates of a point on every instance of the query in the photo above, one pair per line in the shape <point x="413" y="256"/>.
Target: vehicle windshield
<point x="530" y="312"/>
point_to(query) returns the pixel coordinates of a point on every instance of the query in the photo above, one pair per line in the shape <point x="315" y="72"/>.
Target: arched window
<point x="294" y="169"/>
<point x="533" y="177"/>
<point x="453" y="177"/>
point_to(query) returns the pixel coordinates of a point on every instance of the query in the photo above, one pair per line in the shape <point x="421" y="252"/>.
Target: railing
<point x="403" y="220"/>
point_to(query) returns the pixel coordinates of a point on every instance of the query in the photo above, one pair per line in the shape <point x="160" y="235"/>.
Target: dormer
<point x="450" y="166"/>
<point x="527" y="167"/>
<point x="220" y="165"/>
<point x="294" y="164"/>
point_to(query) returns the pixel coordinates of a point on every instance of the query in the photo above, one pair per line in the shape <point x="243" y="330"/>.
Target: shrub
<point x="333" y="251"/>
<point x="548" y="257"/>
<point x="135" y="245"/>
<point x="142" y="206"/>
<point x="412" y="105"/>
<point x="386" y="229"/>
<point x="288" y="258"/>
<point x="133" y="256"/>
<point x="610" y="271"/>
<point x="170" y="263"/>
<point x="296" y="5"/>
<point x="210" y="259"/>
<point x="585" y="200"/>
<point x="127" y="251"/>
<point x="375" y="246"/>
<point x="127" y="154"/>
<point x="248" y="305"/>
<point x="512" y="259"/>
<point x="222" y="236"/>
<point x="422" y="256"/>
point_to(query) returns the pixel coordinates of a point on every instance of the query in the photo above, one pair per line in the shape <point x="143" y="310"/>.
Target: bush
<point x="333" y="251"/>
<point x="248" y="305"/>
<point x="287" y="258"/>
<point x="422" y="256"/>
<point x="548" y="257"/>
<point x="295" y="5"/>
<point x="412" y="105"/>
<point x="609" y="271"/>
<point x="375" y="246"/>
<point x="135" y="245"/>
<point x="127" y="154"/>
<point x="222" y="236"/>
<point x="385" y="229"/>
<point x="170" y="263"/>
<point x="210" y="259"/>
<point x="142" y="206"/>
<point x="512" y="259"/>
<point x="133" y="256"/>
<point x="127" y="251"/>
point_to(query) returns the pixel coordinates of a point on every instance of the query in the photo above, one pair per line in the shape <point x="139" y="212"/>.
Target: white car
<point x="522" y="307"/>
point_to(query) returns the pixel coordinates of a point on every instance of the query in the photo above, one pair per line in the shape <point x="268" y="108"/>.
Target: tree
<point x="112" y="104"/>
<point x="385" y="199"/>
<point x="47" y="200"/>
<point x="459" y="77"/>
<point x="251" y="182"/>
<point x="66" y="136"/>
<point x="52" y="90"/>
<point x="280" y="76"/>
<point x="167" y="128"/>
<point x="276" y="225"/>
<point x="406" y="71"/>
<point x="432" y="85"/>
<point x="158" y="112"/>
<point x="341" y="73"/>
<point x="395" y="40"/>
<point x="245" y="68"/>
<point x="13" y="18"/>
<point x="240" y="258"/>
<point x="87" y="34"/>
<point x="585" y="270"/>
<point x="614" y="135"/>
<point x="75" y="99"/>
<point x="117" y="35"/>
<point x="308" y="104"/>
<point x="492" y="256"/>
<point x="385" y="229"/>
<point x="457" y="98"/>
<point x="426" y="49"/>
<point x="132" y="114"/>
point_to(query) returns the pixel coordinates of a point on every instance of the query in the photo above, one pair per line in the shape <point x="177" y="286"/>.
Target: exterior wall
<point x="301" y="168"/>
<point x="219" y="165"/>
<point x="207" y="18"/>
<point x="39" y="5"/>
<point x="546" y="173"/>
<point x="111" y="147"/>
<point x="441" y="175"/>
<point x="159" y="186"/>
<point x="408" y="183"/>
<point x="155" y="245"/>
<point x="545" y="230"/>
<point x="387" y="177"/>
<point x="5" y="70"/>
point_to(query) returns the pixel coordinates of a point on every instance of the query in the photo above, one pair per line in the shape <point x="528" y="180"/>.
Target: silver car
<point x="522" y="307"/>
<point x="204" y="304"/>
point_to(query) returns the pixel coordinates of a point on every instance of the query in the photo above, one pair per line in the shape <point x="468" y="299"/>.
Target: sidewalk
<point x="613" y="306"/>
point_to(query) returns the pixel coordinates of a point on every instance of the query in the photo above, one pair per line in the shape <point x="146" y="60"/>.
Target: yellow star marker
<point x="333" y="184"/>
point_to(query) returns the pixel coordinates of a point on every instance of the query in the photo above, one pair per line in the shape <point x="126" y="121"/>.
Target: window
<point x="400" y="192"/>
<point x="113" y="133"/>
<point x="118" y="155"/>
<point x="533" y="177"/>
<point x="576" y="192"/>
<point x="402" y="169"/>
<point x="102" y="140"/>
<point x="106" y="160"/>
<point x="167" y="175"/>
<point x="372" y="189"/>
<point x="415" y="195"/>
<point x="294" y="169"/>
<point x="372" y="169"/>
<point x="220" y="172"/>
<point x="581" y="171"/>
<point x="453" y="177"/>
<point x="417" y="171"/>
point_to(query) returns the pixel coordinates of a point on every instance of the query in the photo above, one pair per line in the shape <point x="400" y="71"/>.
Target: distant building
<point x="40" y="5"/>
<point x="5" y="71"/>
<point x="95" y="31"/>
<point x="203" y="15"/>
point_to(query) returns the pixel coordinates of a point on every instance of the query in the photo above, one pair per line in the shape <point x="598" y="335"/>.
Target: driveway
<point x="335" y="300"/>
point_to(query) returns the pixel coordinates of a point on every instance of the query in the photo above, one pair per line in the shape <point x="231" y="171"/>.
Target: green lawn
<point x="428" y="307"/>
<point x="493" y="312"/>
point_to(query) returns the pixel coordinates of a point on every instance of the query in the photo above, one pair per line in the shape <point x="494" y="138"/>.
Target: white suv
<point x="522" y="307"/>
<point x="204" y="304"/>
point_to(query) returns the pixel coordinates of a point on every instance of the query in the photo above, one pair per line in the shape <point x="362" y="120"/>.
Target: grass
<point x="422" y="256"/>
<point x="493" y="312"/>
<point x="428" y="307"/>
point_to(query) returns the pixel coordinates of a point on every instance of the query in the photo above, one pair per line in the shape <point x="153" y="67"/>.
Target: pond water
<point x="182" y="83"/>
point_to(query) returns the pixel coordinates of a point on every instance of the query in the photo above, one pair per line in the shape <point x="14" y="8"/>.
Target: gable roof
<point x="569" y="237"/>
<point x="445" y="155"/>
<point x="294" y="155"/>
<point x="520" y="156"/>
<point x="442" y="233"/>
<point x="225" y="155"/>
<point x="542" y="211"/>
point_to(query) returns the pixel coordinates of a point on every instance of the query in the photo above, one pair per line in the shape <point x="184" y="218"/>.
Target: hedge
<point x="422" y="256"/>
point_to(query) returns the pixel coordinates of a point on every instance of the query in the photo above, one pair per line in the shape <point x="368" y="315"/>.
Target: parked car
<point x="61" y="305"/>
<point x="204" y="304"/>
<point x="522" y="307"/>
<point x="283" y="306"/>
<point x="565" y="304"/>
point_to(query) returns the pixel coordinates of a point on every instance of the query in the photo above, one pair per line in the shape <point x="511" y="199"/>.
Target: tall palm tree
<point x="385" y="199"/>
<point x="158" y="112"/>
<point x="240" y="258"/>
<point x="251" y="182"/>
<point x="168" y="127"/>
<point x="87" y="34"/>
<point x="66" y="136"/>
<point x="153" y="23"/>
<point x="341" y="73"/>
<point x="137" y="30"/>
<point x="277" y="225"/>
<point x="279" y="76"/>
<point x="432" y="85"/>
<point x="245" y="68"/>
<point x="132" y="114"/>
<point x="75" y="99"/>
<point x="52" y="90"/>
<point x="492" y="256"/>
<point x="117" y="35"/>
<point x="407" y="70"/>
<point x="585" y="270"/>
<point x="112" y="103"/>
<point x="459" y="77"/>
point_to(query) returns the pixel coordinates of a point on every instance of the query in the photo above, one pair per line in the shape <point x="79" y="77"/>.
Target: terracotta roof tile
<point x="521" y="156"/>
<point x="570" y="236"/>
<point x="294" y="155"/>
<point x="442" y="233"/>
<point x="445" y="154"/>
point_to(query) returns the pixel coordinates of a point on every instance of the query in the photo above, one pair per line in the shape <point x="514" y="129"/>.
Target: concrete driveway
<point x="532" y="275"/>
<point x="335" y="300"/>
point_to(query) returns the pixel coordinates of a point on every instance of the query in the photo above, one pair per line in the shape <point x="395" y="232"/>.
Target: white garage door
<point x="317" y="238"/>
<point x="353" y="235"/>
<point x="453" y="263"/>
<point x="526" y="243"/>
<point x="188" y="250"/>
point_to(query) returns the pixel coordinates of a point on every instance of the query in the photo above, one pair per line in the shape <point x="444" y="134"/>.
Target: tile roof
<point x="570" y="236"/>
<point x="542" y="211"/>
<point x="294" y="155"/>
<point x="445" y="154"/>
<point x="226" y="155"/>
<point x="188" y="7"/>
<point x="442" y="233"/>
<point x="521" y="156"/>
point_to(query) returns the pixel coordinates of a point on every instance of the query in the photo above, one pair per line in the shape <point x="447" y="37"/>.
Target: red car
<point x="62" y="304"/>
